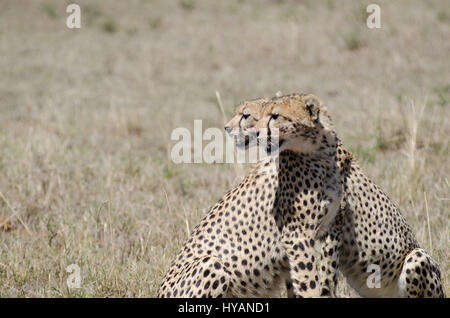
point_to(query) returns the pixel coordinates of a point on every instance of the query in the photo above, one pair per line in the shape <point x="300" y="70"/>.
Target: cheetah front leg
<point x="330" y="204"/>
<point x="329" y="261"/>
<point x="328" y="231"/>
<point x="302" y="262"/>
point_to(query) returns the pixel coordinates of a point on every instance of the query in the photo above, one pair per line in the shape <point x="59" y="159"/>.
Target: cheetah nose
<point x="228" y="129"/>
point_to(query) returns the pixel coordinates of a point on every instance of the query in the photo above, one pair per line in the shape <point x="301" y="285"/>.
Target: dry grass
<point x="86" y="117"/>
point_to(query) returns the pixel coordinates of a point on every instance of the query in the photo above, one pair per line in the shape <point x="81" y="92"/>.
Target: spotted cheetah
<point x="242" y="127"/>
<point x="262" y="233"/>
<point x="369" y="230"/>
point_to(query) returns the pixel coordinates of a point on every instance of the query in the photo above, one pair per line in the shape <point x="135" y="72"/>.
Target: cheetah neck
<point x="323" y="146"/>
<point x="265" y="166"/>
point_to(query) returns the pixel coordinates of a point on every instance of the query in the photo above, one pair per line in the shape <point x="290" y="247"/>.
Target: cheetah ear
<point x="313" y="108"/>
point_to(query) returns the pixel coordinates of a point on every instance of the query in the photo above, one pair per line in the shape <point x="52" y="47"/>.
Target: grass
<point x="353" y="40"/>
<point x="443" y="16"/>
<point x="109" y="25"/>
<point x="187" y="4"/>
<point x="91" y="12"/>
<point x="86" y="118"/>
<point x="443" y="94"/>
<point x="155" y="22"/>
<point x="50" y="9"/>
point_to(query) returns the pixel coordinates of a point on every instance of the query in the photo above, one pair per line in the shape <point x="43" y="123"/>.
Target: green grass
<point x="443" y="16"/>
<point x="353" y="40"/>
<point x="155" y="22"/>
<point x="92" y="13"/>
<point x="50" y="9"/>
<point x="187" y="4"/>
<point x="109" y="25"/>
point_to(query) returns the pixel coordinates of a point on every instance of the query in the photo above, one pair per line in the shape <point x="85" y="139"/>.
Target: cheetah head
<point x="242" y="125"/>
<point x="297" y="122"/>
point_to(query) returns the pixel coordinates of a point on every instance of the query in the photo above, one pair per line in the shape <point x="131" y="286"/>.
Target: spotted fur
<point x="370" y="230"/>
<point x="262" y="233"/>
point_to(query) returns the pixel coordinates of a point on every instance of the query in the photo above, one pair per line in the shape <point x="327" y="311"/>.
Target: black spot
<point x="205" y="259"/>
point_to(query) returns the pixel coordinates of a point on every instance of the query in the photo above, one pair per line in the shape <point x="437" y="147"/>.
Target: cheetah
<point x="369" y="229"/>
<point x="242" y="125"/>
<point x="248" y="245"/>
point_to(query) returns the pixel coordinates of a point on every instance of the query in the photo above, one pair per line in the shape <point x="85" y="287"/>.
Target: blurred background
<point x="86" y="116"/>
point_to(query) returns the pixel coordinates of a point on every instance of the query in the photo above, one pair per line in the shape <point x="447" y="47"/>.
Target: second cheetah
<point x="369" y="230"/>
<point x="248" y="244"/>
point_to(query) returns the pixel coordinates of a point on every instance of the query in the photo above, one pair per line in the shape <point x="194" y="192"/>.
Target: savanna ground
<point x="86" y="117"/>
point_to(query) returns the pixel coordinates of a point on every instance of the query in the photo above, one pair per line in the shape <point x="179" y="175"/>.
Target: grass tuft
<point x="353" y="40"/>
<point x="50" y="9"/>
<point x="443" y="16"/>
<point x="154" y="22"/>
<point x="187" y="4"/>
<point x="92" y="13"/>
<point x="109" y="25"/>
